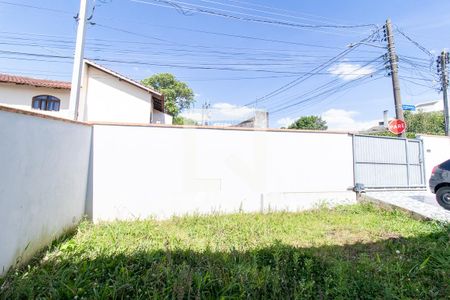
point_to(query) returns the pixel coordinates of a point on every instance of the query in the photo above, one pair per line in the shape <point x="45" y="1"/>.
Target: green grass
<point x="357" y="251"/>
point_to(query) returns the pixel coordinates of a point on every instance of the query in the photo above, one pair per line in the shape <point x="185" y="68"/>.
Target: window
<point x="46" y="102"/>
<point x="445" y="165"/>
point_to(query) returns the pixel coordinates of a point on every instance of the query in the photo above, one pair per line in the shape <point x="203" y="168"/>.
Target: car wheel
<point x="443" y="197"/>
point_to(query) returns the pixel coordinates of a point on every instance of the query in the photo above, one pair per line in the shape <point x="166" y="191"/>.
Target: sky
<point x="278" y="56"/>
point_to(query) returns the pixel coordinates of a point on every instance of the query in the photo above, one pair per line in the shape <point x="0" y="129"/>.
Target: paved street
<point x="425" y="197"/>
<point x="419" y="202"/>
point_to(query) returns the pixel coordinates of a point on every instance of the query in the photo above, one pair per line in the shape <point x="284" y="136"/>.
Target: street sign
<point x="409" y="107"/>
<point x="397" y="126"/>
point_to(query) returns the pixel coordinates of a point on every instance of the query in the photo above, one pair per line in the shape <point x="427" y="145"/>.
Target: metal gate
<point x="388" y="163"/>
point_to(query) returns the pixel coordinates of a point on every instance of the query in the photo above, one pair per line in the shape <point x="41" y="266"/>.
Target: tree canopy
<point x="177" y="95"/>
<point x="425" y="122"/>
<point x="179" y="120"/>
<point x="421" y="123"/>
<point x="310" y="123"/>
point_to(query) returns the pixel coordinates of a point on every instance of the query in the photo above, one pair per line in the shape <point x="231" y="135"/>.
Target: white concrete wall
<point x="161" y="118"/>
<point x="436" y="151"/>
<point x="109" y="99"/>
<point x="43" y="178"/>
<point x="146" y="171"/>
<point x="20" y="97"/>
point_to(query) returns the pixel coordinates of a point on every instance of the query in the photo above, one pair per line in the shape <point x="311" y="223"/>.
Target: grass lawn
<point x="358" y="251"/>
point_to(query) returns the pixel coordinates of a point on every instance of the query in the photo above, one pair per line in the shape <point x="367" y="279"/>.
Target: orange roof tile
<point x="5" y="78"/>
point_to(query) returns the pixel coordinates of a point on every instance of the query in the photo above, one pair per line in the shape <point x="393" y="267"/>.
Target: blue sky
<point x="138" y="38"/>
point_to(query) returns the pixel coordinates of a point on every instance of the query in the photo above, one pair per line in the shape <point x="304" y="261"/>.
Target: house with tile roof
<point x="105" y="96"/>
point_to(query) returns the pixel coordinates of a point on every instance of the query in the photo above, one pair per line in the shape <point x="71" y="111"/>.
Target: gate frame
<point x="406" y="141"/>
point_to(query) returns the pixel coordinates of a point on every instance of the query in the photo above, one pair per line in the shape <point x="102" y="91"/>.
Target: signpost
<point x="397" y="126"/>
<point x="409" y="107"/>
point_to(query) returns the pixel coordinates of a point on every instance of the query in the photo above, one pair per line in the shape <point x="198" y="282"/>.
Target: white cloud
<point x="193" y="115"/>
<point x="340" y="119"/>
<point x="347" y="71"/>
<point x="285" y="122"/>
<point x="227" y="111"/>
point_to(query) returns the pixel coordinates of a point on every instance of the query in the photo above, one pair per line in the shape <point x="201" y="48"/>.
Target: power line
<point x="247" y="37"/>
<point x="234" y="78"/>
<point x="314" y="100"/>
<point x="137" y="62"/>
<point x="189" y="8"/>
<point x="416" y="83"/>
<point x="313" y="72"/>
<point x="417" y="78"/>
<point x="196" y="47"/>
<point x="265" y="11"/>
<point x="236" y="58"/>
<point x="326" y="92"/>
<point x="299" y="80"/>
<point x="272" y="8"/>
<point x="337" y="90"/>
<point x="415" y="43"/>
<point x="252" y="60"/>
<point x="332" y="82"/>
<point x="36" y="7"/>
<point x="35" y="54"/>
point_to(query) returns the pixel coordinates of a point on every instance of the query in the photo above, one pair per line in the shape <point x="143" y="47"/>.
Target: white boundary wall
<point x="149" y="171"/>
<point x="436" y="151"/>
<point x="52" y="172"/>
<point x="43" y="177"/>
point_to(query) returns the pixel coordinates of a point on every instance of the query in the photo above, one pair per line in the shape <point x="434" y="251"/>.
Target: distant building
<point x="228" y="115"/>
<point x="259" y="120"/>
<point x="430" y="106"/>
<point x="105" y="96"/>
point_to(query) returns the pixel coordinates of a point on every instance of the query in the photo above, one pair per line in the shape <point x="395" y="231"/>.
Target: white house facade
<point x="430" y="106"/>
<point x="44" y="96"/>
<point x="106" y="96"/>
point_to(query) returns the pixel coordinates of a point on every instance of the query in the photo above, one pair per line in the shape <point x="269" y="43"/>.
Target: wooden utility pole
<point x="443" y="72"/>
<point x="78" y="61"/>
<point x="393" y="60"/>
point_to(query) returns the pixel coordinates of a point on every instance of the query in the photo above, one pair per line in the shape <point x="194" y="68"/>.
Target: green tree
<point x="425" y="122"/>
<point x="179" y="120"/>
<point x="177" y="95"/>
<point x="309" y="122"/>
<point x="420" y="123"/>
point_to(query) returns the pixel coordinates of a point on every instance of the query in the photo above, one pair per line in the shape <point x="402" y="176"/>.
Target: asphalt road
<point x="425" y="197"/>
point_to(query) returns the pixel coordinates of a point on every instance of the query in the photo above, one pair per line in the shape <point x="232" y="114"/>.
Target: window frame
<point x="46" y="103"/>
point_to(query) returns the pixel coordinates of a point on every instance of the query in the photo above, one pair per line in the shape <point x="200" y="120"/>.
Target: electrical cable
<point x="299" y="80"/>
<point x="415" y="43"/>
<point x="189" y="8"/>
<point x="329" y="92"/>
<point x="334" y="81"/>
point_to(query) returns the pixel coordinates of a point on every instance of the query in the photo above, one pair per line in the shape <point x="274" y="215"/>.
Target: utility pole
<point x="78" y="61"/>
<point x="393" y="60"/>
<point x="443" y="60"/>
<point x="205" y="116"/>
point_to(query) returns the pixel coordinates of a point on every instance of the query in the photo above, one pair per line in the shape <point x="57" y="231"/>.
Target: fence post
<point x="422" y="162"/>
<point x="407" y="163"/>
<point x="354" y="159"/>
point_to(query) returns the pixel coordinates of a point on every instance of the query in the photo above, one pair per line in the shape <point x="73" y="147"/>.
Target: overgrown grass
<point x="349" y="252"/>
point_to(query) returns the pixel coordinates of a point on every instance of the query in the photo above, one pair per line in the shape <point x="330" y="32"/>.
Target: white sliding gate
<point x="388" y="163"/>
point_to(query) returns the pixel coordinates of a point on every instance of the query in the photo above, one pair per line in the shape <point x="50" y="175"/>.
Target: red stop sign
<point x="397" y="126"/>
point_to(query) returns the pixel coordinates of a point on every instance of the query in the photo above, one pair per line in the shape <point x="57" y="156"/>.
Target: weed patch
<point x="357" y="251"/>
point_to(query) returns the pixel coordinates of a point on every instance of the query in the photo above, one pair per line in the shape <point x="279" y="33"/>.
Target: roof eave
<point x="121" y="77"/>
